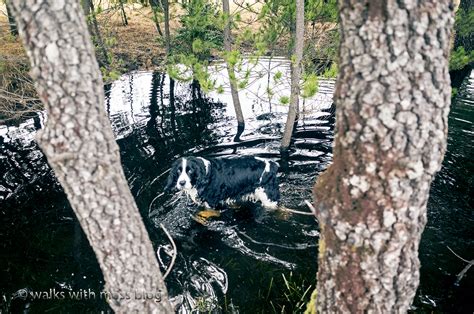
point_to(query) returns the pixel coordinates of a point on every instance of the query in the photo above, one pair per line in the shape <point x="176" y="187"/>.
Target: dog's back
<point x="211" y="181"/>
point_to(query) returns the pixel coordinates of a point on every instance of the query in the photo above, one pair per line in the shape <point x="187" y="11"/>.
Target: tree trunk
<point x="86" y="7"/>
<point x="295" y="77"/>
<point x="80" y="147"/>
<point x="11" y="23"/>
<point x="93" y="27"/>
<point x="392" y="101"/>
<point x="166" y="10"/>
<point x="230" y="70"/>
<point x="124" y="15"/>
<point x="155" y="8"/>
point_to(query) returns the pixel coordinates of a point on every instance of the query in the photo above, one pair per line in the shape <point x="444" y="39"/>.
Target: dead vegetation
<point x="136" y="46"/>
<point x="17" y="92"/>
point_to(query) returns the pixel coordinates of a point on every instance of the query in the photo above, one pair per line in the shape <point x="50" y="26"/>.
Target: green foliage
<point x="201" y="74"/>
<point x="332" y="71"/>
<point x="177" y="73"/>
<point x="198" y="46"/>
<point x="200" y="31"/>
<point x="310" y="85"/>
<point x="454" y="92"/>
<point x="243" y="84"/>
<point x="270" y="92"/>
<point x="110" y="41"/>
<point x="321" y="11"/>
<point x="232" y="58"/>
<point x="277" y="76"/>
<point x="464" y="24"/>
<point x="463" y="54"/>
<point x="278" y="17"/>
<point x="460" y="58"/>
<point x="109" y="75"/>
<point x="284" y="100"/>
<point x="111" y="66"/>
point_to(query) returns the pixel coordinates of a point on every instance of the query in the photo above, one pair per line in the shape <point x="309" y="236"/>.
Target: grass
<point x="288" y="294"/>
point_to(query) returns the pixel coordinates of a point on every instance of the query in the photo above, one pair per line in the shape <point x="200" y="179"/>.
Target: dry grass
<point x="138" y="44"/>
<point x="17" y="92"/>
<point x="135" y="46"/>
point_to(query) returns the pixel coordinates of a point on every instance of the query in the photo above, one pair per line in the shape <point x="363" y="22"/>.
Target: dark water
<point x="247" y="260"/>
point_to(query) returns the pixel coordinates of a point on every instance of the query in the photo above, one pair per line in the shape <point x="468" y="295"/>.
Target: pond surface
<point x="248" y="260"/>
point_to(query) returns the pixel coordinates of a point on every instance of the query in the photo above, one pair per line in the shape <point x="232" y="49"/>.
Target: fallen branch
<point x="296" y="211"/>
<point x="311" y="207"/>
<point x="151" y="203"/>
<point x="175" y="251"/>
<point x="465" y="269"/>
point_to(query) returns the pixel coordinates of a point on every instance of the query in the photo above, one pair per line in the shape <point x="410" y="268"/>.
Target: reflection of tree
<point x="172" y="108"/>
<point x="185" y="113"/>
<point x="155" y="137"/>
<point x="107" y="90"/>
<point x="23" y="164"/>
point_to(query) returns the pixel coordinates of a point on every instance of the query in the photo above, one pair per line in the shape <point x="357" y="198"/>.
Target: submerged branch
<point x="175" y="251"/>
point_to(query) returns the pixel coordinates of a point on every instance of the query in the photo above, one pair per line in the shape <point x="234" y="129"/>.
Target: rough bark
<point x="295" y="77"/>
<point x="80" y="147"/>
<point x="392" y="102"/>
<point x="234" y="90"/>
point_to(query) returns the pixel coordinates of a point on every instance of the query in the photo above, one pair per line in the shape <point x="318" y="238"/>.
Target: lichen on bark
<point x="392" y="100"/>
<point x="81" y="149"/>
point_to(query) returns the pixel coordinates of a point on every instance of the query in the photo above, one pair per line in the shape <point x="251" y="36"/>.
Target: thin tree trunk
<point x="11" y="23"/>
<point x="295" y="77"/>
<point x="93" y="27"/>
<point x="86" y="7"/>
<point x="124" y="15"/>
<point x="98" y="35"/>
<point x="80" y="147"/>
<point x="392" y="101"/>
<point x="155" y="8"/>
<point x="230" y="70"/>
<point x="166" y="10"/>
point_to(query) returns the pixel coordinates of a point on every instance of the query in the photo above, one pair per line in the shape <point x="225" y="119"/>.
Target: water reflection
<point x="237" y="261"/>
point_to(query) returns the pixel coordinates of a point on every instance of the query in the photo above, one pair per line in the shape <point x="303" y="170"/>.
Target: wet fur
<point x="227" y="180"/>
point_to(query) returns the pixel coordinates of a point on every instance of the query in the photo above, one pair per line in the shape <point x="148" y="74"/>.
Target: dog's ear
<point x="202" y="177"/>
<point x="171" y="181"/>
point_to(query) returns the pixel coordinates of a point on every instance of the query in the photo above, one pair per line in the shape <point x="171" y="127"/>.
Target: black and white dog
<point x="213" y="181"/>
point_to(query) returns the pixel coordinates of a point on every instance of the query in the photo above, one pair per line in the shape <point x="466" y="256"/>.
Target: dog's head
<point x="187" y="173"/>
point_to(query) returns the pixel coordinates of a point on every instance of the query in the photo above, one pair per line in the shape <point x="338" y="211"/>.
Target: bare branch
<point x="295" y="211"/>
<point x="175" y="251"/>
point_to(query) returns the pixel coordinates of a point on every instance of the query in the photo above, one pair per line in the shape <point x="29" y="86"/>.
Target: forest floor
<point x="136" y="46"/>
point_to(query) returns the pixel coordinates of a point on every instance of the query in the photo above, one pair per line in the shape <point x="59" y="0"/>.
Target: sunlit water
<point x="247" y="260"/>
